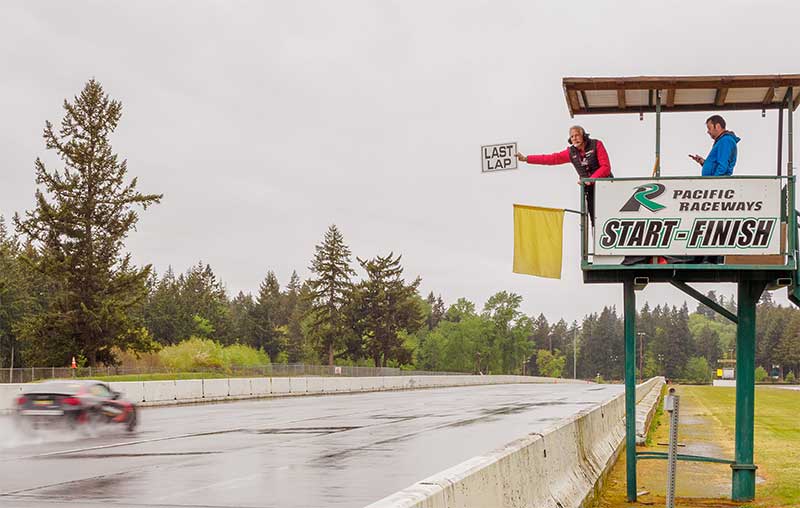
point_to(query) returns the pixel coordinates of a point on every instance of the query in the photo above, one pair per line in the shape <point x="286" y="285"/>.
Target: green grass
<point x="161" y="376"/>
<point x="776" y="437"/>
<point x="655" y="423"/>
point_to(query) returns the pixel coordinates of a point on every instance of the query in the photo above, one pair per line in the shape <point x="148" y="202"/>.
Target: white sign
<point x="692" y="216"/>
<point x="498" y="157"/>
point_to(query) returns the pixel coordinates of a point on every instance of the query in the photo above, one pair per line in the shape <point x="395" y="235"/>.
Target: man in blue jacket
<point x="722" y="157"/>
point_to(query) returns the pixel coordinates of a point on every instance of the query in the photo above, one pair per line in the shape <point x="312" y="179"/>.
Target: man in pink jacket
<point x="587" y="155"/>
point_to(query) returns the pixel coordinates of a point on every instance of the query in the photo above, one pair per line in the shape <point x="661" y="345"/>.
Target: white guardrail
<point x="206" y="390"/>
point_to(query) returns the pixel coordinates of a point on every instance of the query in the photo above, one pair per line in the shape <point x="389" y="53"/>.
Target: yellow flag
<point x="537" y="240"/>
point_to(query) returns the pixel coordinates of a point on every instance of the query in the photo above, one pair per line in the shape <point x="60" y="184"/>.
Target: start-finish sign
<point x="498" y="157"/>
<point x="692" y="216"/>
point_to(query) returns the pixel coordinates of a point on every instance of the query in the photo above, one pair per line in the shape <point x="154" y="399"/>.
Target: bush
<point x="193" y="353"/>
<point x="761" y="374"/>
<point x="790" y="377"/>
<point x="244" y="356"/>
<point x="697" y="370"/>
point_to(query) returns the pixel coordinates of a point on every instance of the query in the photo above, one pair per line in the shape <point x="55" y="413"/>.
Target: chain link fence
<point x="30" y="374"/>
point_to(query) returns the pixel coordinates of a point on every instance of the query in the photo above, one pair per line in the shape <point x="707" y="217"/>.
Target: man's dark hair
<point x="716" y="120"/>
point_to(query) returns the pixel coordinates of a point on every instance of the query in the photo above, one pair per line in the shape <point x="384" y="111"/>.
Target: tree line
<point x="68" y="288"/>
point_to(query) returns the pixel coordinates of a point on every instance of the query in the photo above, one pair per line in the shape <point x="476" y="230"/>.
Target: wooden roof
<point x="586" y="96"/>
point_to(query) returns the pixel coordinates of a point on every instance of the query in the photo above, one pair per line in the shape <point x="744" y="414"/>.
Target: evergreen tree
<point x="707" y="345"/>
<point x="788" y="347"/>
<point x="680" y="342"/>
<point x="82" y="217"/>
<point x="705" y="310"/>
<point x="437" y="312"/>
<point x="389" y="305"/>
<point x="329" y="291"/>
<point x="266" y="317"/>
<point x="559" y="336"/>
<point x="202" y="295"/>
<point x="295" y="309"/>
<point x="539" y="339"/>
<point x="162" y="310"/>
<point x="18" y="295"/>
<point x="242" y="309"/>
<point x="603" y="349"/>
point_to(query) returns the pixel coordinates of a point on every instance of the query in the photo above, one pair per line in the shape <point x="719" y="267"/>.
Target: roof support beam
<point x="708" y="302"/>
<point x="585" y="100"/>
<point x="769" y="95"/>
<point x="573" y="101"/>
<point x="671" y="97"/>
<point x="722" y="93"/>
<point x="621" y="99"/>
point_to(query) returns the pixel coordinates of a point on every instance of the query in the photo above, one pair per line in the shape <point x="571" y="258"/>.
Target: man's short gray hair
<point x="579" y="129"/>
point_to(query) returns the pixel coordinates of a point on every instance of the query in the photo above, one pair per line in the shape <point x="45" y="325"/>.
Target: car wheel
<point x="132" y="420"/>
<point x="92" y="426"/>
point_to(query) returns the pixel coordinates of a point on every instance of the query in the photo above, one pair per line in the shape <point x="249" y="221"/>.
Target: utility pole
<point x="575" y="351"/>
<point x="641" y="353"/>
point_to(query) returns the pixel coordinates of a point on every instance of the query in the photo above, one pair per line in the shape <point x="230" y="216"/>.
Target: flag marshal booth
<point x="746" y="223"/>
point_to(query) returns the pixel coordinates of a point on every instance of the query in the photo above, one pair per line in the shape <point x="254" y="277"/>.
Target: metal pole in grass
<point x="671" y="405"/>
<point x="629" y="302"/>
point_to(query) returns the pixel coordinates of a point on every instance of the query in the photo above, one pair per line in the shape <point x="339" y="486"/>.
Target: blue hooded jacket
<point x="722" y="157"/>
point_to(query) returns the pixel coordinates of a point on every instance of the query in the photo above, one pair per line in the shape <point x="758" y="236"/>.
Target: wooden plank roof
<point x="587" y="96"/>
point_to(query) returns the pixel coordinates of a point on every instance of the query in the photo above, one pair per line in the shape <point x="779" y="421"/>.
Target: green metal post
<point x="658" y="133"/>
<point x="629" y="303"/>
<point x="744" y="471"/>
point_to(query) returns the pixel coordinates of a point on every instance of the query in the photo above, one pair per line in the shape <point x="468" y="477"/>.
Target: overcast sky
<point x="262" y="123"/>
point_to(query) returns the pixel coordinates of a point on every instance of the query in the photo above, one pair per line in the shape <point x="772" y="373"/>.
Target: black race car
<point x="76" y="404"/>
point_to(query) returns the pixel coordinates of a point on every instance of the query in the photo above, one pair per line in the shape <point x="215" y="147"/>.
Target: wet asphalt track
<point x="321" y="451"/>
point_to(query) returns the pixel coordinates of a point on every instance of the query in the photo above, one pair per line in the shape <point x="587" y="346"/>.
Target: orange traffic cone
<point x="74" y="365"/>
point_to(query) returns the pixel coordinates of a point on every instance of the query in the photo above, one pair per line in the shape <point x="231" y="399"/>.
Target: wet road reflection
<point x="337" y="451"/>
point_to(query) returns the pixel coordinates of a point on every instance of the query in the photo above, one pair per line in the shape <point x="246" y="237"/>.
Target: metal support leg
<point x="630" y="386"/>
<point x="744" y="471"/>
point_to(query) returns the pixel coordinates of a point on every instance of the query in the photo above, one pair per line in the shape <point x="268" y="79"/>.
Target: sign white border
<point x="692" y="216"/>
<point x="485" y="160"/>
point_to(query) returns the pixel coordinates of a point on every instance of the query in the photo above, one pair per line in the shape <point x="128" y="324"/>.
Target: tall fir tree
<point x="296" y="308"/>
<point x="388" y="305"/>
<point x="82" y="217"/>
<point x="266" y="317"/>
<point x="242" y="310"/>
<point x="329" y="291"/>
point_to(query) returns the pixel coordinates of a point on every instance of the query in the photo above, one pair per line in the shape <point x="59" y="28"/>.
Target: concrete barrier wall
<point x="8" y="395"/>
<point x="280" y="386"/>
<point x="261" y="386"/>
<point x="159" y="391"/>
<point x="196" y="390"/>
<point x="133" y="390"/>
<point x="214" y="389"/>
<point x="558" y="468"/>
<point x="239" y="387"/>
<point x="185" y="389"/>
<point x="316" y="385"/>
<point x="298" y="385"/>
